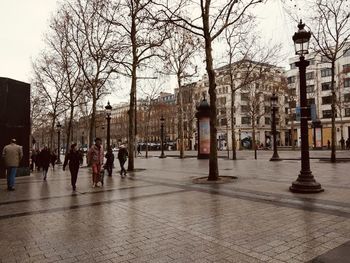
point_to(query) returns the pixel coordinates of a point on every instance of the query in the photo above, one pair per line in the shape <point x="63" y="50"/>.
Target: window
<point x="293" y="92"/>
<point x="267" y="109"/>
<point x="267" y="121"/>
<point x="310" y="101"/>
<point x="326" y="114"/>
<point x="292" y="66"/>
<point x="347" y="112"/>
<point x="245" y="120"/>
<point x="347" y="97"/>
<point x="310" y="88"/>
<point x="346" y="82"/>
<point x="309" y="75"/>
<point x="327" y="100"/>
<point x="223" y="122"/>
<point x="292" y="104"/>
<point x="244" y="108"/>
<point x="326" y="72"/>
<point x="346" y="68"/>
<point x="347" y="52"/>
<point x="291" y="80"/>
<point x="326" y="86"/>
<point x="245" y="96"/>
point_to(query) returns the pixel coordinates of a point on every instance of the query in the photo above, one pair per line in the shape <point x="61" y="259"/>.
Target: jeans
<point x="11" y="176"/>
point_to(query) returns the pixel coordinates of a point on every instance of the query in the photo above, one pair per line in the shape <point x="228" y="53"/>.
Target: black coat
<point x="110" y="158"/>
<point x="74" y="158"/>
<point x="45" y="158"/>
<point x="122" y="154"/>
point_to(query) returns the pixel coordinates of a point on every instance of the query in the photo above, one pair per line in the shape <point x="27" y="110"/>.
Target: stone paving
<point x="157" y="214"/>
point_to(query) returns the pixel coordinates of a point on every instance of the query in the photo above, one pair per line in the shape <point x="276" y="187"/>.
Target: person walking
<point x="73" y="159"/>
<point x="139" y="149"/>
<point x="342" y="143"/>
<point x="12" y="155"/>
<point x="348" y="143"/>
<point x="95" y="159"/>
<point x="122" y="156"/>
<point x="53" y="158"/>
<point x="45" y="159"/>
<point x="328" y="144"/>
<point x="109" y="161"/>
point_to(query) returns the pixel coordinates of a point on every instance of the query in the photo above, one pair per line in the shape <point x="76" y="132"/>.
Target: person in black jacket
<point x="45" y="159"/>
<point x="122" y="156"/>
<point x="109" y="162"/>
<point x="74" y="158"/>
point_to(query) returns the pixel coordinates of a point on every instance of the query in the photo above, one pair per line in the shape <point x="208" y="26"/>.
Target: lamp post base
<point x="162" y="156"/>
<point x="306" y="184"/>
<point x="274" y="158"/>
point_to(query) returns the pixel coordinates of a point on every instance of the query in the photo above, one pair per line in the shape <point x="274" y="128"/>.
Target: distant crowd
<point x="41" y="161"/>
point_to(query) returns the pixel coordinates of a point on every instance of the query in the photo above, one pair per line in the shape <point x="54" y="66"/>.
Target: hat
<point x="13" y="140"/>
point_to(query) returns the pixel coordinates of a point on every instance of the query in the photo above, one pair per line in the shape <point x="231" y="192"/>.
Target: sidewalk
<point x="157" y="214"/>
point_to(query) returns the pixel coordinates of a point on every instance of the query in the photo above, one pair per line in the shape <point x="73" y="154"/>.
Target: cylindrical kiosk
<point x="203" y="129"/>
<point x="317" y="134"/>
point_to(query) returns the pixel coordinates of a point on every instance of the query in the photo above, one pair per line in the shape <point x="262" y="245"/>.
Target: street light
<point x="274" y="100"/>
<point x="58" y="126"/>
<point x="305" y="182"/>
<point x="162" y="120"/>
<point x="108" y="117"/>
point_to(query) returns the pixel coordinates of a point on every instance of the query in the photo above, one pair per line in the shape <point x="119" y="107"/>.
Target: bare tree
<point x="59" y="41"/>
<point x="151" y="93"/>
<point x="179" y="52"/>
<point x="142" y="34"/>
<point x="213" y="19"/>
<point x="49" y="82"/>
<point x="92" y="40"/>
<point x="331" y="34"/>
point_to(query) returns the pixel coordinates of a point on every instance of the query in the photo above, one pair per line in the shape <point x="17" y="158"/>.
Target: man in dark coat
<point x="109" y="161"/>
<point x="122" y="156"/>
<point x="74" y="158"/>
<point x="45" y="159"/>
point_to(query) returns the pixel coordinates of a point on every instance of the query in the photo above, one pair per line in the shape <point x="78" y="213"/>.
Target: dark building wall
<point x="15" y="119"/>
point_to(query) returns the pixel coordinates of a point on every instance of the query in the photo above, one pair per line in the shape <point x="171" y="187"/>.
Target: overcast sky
<point x="24" y="22"/>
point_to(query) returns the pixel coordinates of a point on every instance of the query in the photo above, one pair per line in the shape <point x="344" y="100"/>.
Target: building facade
<point x="319" y="93"/>
<point x="253" y="85"/>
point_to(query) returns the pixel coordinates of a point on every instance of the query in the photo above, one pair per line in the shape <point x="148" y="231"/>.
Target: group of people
<point x="95" y="159"/>
<point x="12" y="155"/>
<point x="42" y="160"/>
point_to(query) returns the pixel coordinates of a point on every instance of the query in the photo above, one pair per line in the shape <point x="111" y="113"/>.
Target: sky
<point x="23" y="24"/>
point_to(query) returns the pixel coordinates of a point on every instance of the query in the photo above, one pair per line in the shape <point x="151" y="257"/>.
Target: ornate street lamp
<point x="305" y="182"/>
<point x="108" y="118"/>
<point x="274" y="107"/>
<point x="162" y="121"/>
<point x="58" y="126"/>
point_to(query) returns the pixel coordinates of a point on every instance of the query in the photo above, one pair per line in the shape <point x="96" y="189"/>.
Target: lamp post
<point x="162" y="120"/>
<point x="58" y="126"/>
<point x="274" y="100"/>
<point x="108" y="118"/>
<point x="305" y="182"/>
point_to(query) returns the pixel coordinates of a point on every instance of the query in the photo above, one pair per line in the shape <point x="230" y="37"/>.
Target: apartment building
<point x="254" y="84"/>
<point x="319" y="93"/>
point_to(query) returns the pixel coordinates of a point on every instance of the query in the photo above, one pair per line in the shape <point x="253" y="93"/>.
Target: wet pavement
<point x="157" y="214"/>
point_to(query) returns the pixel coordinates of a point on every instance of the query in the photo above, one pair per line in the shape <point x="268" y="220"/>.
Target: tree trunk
<point x="233" y="124"/>
<point x="334" y="98"/>
<point x="92" y="119"/>
<point x="69" y="128"/>
<point x="181" y="122"/>
<point x="213" y="157"/>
